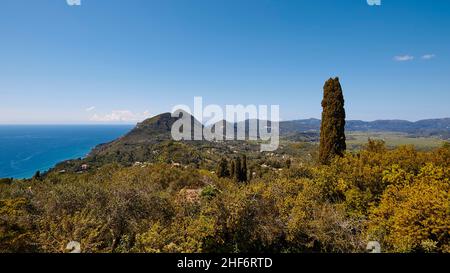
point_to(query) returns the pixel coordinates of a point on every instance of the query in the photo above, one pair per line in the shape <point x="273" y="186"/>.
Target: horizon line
<point x="137" y="122"/>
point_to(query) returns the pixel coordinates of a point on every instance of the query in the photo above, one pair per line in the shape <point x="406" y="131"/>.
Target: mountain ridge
<point x="158" y="128"/>
<point x="392" y="125"/>
<point x="426" y="126"/>
<point x="151" y="140"/>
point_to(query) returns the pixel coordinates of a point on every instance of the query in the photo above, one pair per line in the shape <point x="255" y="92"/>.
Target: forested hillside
<point x="398" y="197"/>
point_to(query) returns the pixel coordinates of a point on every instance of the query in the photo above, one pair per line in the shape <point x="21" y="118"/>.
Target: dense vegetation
<point x="399" y="197"/>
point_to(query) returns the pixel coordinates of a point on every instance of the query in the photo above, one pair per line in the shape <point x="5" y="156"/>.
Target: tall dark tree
<point x="332" y="130"/>
<point x="238" y="169"/>
<point x="37" y="175"/>
<point x="232" y="169"/>
<point x="244" y="177"/>
<point x="288" y="163"/>
<point x="222" y="168"/>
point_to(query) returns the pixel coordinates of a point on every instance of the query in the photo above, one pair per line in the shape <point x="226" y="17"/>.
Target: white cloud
<point x="90" y="109"/>
<point x="121" y="116"/>
<point x="404" y="58"/>
<point x="428" y="56"/>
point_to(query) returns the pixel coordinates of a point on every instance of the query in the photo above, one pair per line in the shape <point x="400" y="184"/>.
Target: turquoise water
<point x="27" y="149"/>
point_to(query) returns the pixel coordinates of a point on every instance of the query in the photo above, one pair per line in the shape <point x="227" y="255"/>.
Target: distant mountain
<point x="159" y="126"/>
<point x="157" y="129"/>
<point x="429" y="127"/>
<point x="151" y="140"/>
<point x="300" y="126"/>
<point x="146" y="134"/>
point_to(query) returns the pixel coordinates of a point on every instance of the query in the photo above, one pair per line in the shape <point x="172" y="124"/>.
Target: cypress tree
<point x="37" y="175"/>
<point x="288" y="163"/>
<point x="232" y="169"/>
<point x="332" y="130"/>
<point x="244" y="169"/>
<point x="222" y="168"/>
<point x="238" y="169"/>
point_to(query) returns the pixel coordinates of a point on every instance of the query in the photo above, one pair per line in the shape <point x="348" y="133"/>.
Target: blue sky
<point x="125" y="59"/>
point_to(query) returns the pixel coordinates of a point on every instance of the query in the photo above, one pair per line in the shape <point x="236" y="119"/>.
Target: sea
<point x="25" y="149"/>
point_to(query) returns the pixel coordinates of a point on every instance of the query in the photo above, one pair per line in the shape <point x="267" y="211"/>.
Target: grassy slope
<point x="357" y="139"/>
